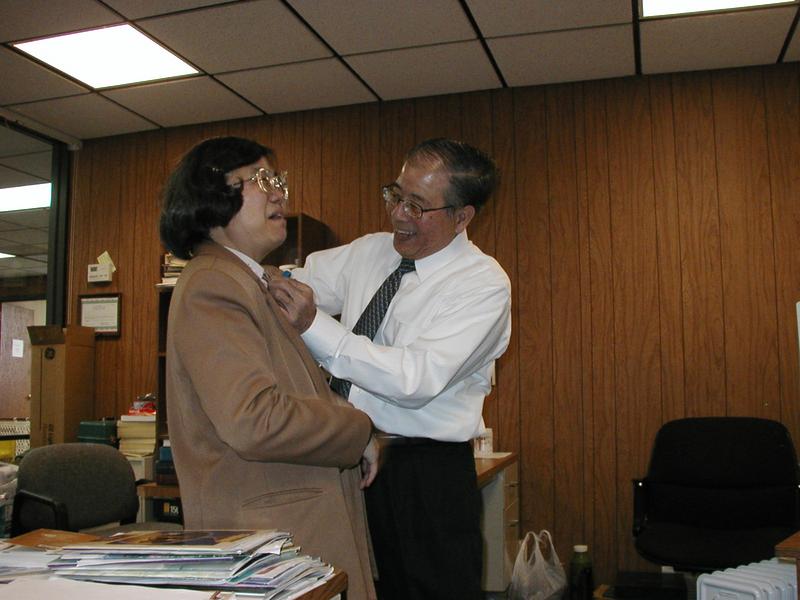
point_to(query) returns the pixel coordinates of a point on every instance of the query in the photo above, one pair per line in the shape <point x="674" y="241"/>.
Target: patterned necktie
<point x="373" y="314"/>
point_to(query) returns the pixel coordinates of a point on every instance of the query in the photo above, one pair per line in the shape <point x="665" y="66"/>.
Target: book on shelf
<point x="173" y="261"/>
<point x="171" y="268"/>
<point x="137" y="437"/>
<point x="143" y="417"/>
<point x="138" y="428"/>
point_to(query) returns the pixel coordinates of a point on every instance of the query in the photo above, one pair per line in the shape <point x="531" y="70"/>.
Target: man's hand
<point x="296" y="299"/>
<point x="369" y="462"/>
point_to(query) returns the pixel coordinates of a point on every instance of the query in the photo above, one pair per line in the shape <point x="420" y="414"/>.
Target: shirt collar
<point x="430" y="264"/>
<point x="252" y="265"/>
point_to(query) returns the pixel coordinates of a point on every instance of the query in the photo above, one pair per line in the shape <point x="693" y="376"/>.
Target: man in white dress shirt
<point x="423" y="375"/>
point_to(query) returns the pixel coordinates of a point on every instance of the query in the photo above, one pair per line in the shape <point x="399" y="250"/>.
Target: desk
<point x="55" y="587"/>
<point x="332" y="588"/>
<point x="498" y="481"/>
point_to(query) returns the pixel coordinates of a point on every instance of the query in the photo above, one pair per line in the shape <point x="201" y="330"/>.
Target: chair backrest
<point x="724" y="472"/>
<point x="94" y="481"/>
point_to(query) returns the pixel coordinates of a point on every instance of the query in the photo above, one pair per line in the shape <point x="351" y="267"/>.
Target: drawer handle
<point x="513" y="523"/>
<point x="512" y="484"/>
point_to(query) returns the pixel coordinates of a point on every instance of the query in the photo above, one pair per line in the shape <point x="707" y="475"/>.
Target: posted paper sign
<point x="17" y="348"/>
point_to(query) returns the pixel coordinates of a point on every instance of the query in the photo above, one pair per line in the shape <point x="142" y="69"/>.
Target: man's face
<point x="425" y="183"/>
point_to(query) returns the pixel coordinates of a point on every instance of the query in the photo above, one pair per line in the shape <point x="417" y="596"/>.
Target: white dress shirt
<point x="252" y="264"/>
<point x="429" y="367"/>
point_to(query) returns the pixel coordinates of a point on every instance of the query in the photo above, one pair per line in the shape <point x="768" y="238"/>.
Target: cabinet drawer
<point x="510" y="485"/>
<point x="511" y="515"/>
<point x="511" y="531"/>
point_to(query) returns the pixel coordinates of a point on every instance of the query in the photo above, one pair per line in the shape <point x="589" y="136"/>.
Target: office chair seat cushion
<point x="721" y="507"/>
<point x="703" y="549"/>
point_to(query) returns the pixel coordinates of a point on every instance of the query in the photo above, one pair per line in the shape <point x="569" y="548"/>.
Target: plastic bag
<point x="535" y="577"/>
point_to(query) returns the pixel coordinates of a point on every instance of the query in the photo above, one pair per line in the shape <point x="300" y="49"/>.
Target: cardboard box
<point x="62" y="382"/>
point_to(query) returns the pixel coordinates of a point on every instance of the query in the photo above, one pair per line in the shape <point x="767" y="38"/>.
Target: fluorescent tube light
<point x="25" y="197"/>
<point x="107" y="57"/>
<point x="657" y="8"/>
<point x="4" y="255"/>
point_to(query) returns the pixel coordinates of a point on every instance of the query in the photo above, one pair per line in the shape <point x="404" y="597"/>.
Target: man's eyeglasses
<point x="271" y="182"/>
<point x="392" y="197"/>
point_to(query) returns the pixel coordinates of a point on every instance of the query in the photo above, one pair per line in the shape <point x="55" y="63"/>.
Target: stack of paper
<point x="244" y="561"/>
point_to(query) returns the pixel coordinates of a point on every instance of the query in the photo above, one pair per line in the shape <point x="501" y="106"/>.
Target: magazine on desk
<point x="187" y="542"/>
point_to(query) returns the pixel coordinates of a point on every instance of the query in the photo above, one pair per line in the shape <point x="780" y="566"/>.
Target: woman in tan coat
<point x="258" y="438"/>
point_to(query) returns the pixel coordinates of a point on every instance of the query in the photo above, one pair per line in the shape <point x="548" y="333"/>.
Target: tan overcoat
<point x="258" y="438"/>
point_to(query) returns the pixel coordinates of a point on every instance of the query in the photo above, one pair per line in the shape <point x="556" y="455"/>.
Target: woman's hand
<point x="369" y="462"/>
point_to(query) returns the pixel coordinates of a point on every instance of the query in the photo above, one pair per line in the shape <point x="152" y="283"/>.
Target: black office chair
<point x="74" y="487"/>
<point x="720" y="492"/>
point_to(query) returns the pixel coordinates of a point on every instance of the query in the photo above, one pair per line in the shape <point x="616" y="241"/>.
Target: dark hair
<point x="197" y="198"/>
<point x="473" y="174"/>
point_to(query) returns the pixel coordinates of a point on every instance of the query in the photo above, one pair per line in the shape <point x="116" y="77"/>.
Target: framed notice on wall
<point x="101" y="311"/>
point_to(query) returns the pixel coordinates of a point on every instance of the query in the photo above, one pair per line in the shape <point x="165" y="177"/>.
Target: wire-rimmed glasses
<point x="392" y="197"/>
<point x="269" y="181"/>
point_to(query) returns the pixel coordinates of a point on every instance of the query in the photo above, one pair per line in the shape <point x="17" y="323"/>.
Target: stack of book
<point x="137" y="434"/>
<point x="251" y="561"/>
<point x="171" y="268"/>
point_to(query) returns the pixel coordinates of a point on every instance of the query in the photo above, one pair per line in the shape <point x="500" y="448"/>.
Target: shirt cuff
<point x="323" y="337"/>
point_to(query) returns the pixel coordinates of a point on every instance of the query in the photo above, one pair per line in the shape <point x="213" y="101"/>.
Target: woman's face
<point x="260" y="225"/>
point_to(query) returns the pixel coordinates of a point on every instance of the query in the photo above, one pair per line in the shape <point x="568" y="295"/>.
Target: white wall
<point x="39" y="308"/>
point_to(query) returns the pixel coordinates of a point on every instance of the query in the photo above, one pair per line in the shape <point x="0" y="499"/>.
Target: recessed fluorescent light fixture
<point x="25" y="197"/>
<point x="657" y="8"/>
<point x="107" y="57"/>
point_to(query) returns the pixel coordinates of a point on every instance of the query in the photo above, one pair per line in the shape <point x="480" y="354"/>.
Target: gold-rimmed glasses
<point x="392" y="197"/>
<point x="269" y="181"/>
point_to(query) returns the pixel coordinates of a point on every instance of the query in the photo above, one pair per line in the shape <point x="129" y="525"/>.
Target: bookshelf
<point x="304" y="235"/>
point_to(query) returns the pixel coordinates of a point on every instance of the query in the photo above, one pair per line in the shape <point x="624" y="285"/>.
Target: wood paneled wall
<point x="650" y="227"/>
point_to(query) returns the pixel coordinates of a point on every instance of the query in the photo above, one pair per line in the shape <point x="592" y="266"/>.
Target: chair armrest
<point x="639" y="505"/>
<point x="23" y="496"/>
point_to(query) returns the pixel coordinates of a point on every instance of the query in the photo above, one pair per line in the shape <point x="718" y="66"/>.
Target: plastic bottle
<point x="581" y="586"/>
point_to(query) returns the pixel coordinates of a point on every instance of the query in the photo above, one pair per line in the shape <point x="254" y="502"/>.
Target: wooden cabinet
<point x="498" y="479"/>
<point x="304" y="235"/>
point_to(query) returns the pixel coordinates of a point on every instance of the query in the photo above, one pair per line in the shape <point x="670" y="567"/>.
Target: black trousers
<point x="424" y="519"/>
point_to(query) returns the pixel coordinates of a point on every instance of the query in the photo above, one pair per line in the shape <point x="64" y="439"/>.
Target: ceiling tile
<point x="717" y="41"/>
<point x="35" y="217"/>
<point x="443" y="69"/>
<point x="136" y="9"/>
<point x="37" y="166"/>
<point x="38" y="18"/>
<point x="25" y="236"/>
<point x="285" y="88"/>
<point x="793" y="51"/>
<point x="26" y="81"/>
<point x="574" y="55"/>
<point x="13" y="142"/>
<point x="358" y="26"/>
<point x="84" y="117"/>
<point x="4" y="226"/>
<point x="21" y="263"/>
<point x="185" y="101"/>
<point x="513" y="17"/>
<point x="238" y="36"/>
<point x="14" y="178"/>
